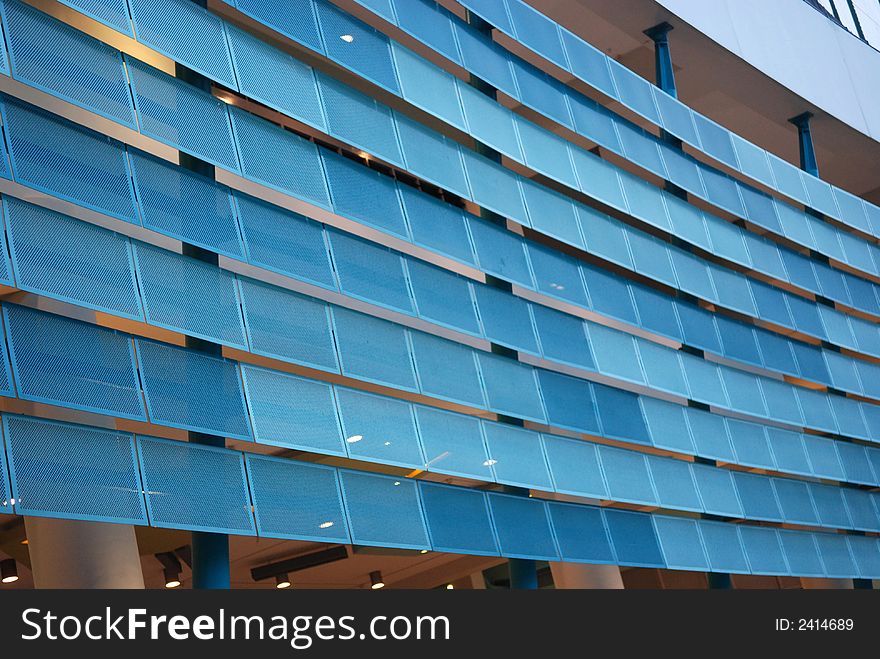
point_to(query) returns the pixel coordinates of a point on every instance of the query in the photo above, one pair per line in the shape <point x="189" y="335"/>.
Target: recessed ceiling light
<point x="347" y="38"/>
<point x="449" y="586"/>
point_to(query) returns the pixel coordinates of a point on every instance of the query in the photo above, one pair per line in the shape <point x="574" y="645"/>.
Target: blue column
<point x="210" y="560"/>
<point x="805" y="143"/>
<point x="665" y="76"/>
<point x="523" y="571"/>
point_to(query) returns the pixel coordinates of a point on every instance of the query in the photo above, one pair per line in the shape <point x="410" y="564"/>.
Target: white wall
<point x="800" y="48"/>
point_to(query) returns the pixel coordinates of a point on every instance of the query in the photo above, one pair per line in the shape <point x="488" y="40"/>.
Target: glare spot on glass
<point x="489" y="462"/>
<point x="354" y="438"/>
<point x="347" y="38"/>
<point x="387" y="443"/>
<point x="397" y="482"/>
<point x="325" y="525"/>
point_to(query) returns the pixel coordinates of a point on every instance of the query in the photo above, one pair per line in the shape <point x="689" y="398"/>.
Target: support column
<point x="583" y="576"/>
<point x="805" y="143"/>
<point x="210" y="551"/>
<point x="665" y="75"/>
<point x="76" y="554"/>
<point x="523" y="571"/>
<point x="719" y="581"/>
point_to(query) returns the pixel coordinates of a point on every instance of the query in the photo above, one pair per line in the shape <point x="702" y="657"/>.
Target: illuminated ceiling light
<point x="354" y="438"/>
<point x="282" y="582"/>
<point x="347" y="38"/>
<point x="325" y="525"/>
<point x="8" y="571"/>
<point x="172" y="578"/>
<point x="489" y="462"/>
<point x="424" y="551"/>
<point x="449" y="586"/>
<point x="376" y="580"/>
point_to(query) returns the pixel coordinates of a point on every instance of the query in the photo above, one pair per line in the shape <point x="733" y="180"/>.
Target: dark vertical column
<point x="523" y="571"/>
<point x="210" y="551"/>
<point x="665" y="76"/>
<point x="805" y="143"/>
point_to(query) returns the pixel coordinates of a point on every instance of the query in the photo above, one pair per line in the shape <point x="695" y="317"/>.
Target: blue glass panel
<point x="681" y="542"/>
<point x="363" y="194"/>
<point x="687" y="222"/>
<point x="360" y="120"/>
<point x="53" y="155"/>
<point x="54" y="255"/>
<point x="490" y="123"/>
<point x="552" y="213"/>
<point x="635" y="91"/>
<point x="599" y="179"/>
<point x="430" y="24"/>
<point x="788" y="451"/>
<point x="817" y="410"/>
<point x="507" y="320"/>
<point x="537" y="32"/>
<point x="485" y="59"/>
<point x="734" y="290"/>
<point x="776" y="352"/>
<point x="109" y="12"/>
<point x="458" y="520"/>
<point x="615" y="353"/>
<point x="368" y="53"/>
<point x="569" y="402"/>
<point x="795" y="502"/>
<point x="656" y="312"/>
<point x="662" y="368"/>
<point x="73" y="472"/>
<point x="292" y="18"/>
<point x="581" y="534"/>
<point x="176" y="393"/>
<point x="494" y="187"/>
<point x="594" y="121"/>
<point x="371" y="272"/>
<point x="379" y="429"/>
<point x="373" y="349"/>
<point x="443" y="297"/>
<point x="704" y="380"/>
<point x="562" y="337"/>
<point x="667" y="425"/>
<point x="744" y="393"/>
<point x="517" y="455"/>
<point x="588" y="63"/>
<point x="510" y="387"/>
<point x="59" y="59"/>
<point x="698" y="327"/>
<point x="620" y="414"/>
<point x="427" y="86"/>
<point x="750" y="443"/>
<point x="500" y="252"/>
<point x="181" y="115"/>
<point x="692" y="274"/>
<point x="288" y="326"/>
<point x="609" y="295"/>
<point x="763" y="550"/>
<point x="830" y="505"/>
<point x="864" y="515"/>
<point x="170" y="26"/>
<point x="312" y="510"/>
<point x="447" y="370"/>
<point x="835" y="555"/>
<point x="184" y="294"/>
<point x="604" y="236"/>
<point x="823" y="457"/>
<point x="453" y="444"/>
<point x="383" y="511"/>
<point x="634" y="538"/>
<point x="279" y="158"/>
<point x="674" y="482"/>
<point x="801" y="553"/>
<point x="810" y="362"/>
<point x="627" y="476"/>
<point x="436" y="225"/>
<point x="292" y="412"/>
<point x="574" y="465"/>
<point x="285" y="242"/>
<point x="849" y="420"/>
<point x="866" y="552"/>
<point x="738" y="340"/>
<point x="185" y="205"/>
<point x="856" y="466"/>
<point x="717" y="491"/>
<point x="523" y="527"/>
<point x="545" y="95"/>
<point x="771" y="304"/>
<point x="757" y="497"/>
<point x="259" y="66"/>
<point x="65" y="362"/>
<point x="765" y="256"/>
<point x="213" y="497"/>
<point x="723" y="547"/>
